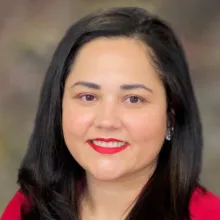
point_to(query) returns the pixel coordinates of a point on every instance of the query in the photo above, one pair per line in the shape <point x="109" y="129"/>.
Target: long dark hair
<point x="49" y="176"/>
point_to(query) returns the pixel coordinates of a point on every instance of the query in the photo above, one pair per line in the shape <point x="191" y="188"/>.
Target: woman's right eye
<point x="87" y="97"/>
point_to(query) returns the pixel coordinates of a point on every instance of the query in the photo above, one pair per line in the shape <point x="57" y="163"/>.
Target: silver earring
<point x="169" y="133"/>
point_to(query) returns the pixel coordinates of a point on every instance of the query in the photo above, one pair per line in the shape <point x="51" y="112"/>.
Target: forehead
<point x="121" y="58"/>
<point x="113" y="49"/>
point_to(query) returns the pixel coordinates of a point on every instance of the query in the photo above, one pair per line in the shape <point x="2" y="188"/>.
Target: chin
<point x="105" y="175"/>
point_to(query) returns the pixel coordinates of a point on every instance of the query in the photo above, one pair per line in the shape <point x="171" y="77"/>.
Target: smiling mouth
<point x="108" y="146"/>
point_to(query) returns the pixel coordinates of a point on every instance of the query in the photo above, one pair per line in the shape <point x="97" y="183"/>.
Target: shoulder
<point x="204" y="205"/>
<point x="13" y="209"/>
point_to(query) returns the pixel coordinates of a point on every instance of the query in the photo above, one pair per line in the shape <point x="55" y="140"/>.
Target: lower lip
<point x="107" y="150"/>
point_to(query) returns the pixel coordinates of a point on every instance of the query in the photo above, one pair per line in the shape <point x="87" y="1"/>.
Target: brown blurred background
<point x="29" y="33"/>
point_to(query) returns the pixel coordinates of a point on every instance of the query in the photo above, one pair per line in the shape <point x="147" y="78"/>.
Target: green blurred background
<point x="29" y="33"/>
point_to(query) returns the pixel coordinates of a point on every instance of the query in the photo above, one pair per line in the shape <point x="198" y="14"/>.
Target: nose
<point x="108" y="117"/>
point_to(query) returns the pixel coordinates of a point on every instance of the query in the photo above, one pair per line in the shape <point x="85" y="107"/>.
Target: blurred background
<point x="29" y="33"/>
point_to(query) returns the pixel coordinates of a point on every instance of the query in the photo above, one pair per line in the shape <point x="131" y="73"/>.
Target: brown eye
<point x="134" y="99"/>
<point x="87" y="97"/>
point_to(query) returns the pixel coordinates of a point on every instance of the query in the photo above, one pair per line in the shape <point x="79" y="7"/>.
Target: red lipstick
<point x="107" y="150"/>
<point x="107" y="139"/>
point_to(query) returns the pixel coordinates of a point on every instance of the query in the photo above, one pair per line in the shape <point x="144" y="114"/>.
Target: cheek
<point x="147" y="131"/>
<point x="149" y="125"/>
<point x="76" y="122"/>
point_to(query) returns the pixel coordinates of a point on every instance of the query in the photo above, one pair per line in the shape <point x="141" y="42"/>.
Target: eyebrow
<point x="135" y="86"/>
<point x="92" y="85"/>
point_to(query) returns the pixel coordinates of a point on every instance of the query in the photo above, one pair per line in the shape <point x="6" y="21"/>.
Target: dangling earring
<point x="169" y="133"/>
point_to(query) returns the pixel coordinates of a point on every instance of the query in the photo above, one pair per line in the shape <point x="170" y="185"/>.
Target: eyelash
<point x="141" y="99"/>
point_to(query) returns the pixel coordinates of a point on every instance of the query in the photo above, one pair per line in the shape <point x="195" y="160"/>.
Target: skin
<point x="137" y="116"/>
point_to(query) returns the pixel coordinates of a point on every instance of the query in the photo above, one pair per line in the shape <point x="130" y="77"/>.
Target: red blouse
<point x="202" y="206"/>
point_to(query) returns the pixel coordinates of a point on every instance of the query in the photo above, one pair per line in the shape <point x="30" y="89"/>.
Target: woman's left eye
<point x="134" y="99"/>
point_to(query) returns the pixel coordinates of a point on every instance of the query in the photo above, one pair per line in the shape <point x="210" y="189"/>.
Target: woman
<point x="117" y="133"/>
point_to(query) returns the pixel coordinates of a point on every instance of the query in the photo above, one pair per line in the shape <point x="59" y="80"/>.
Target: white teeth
<point x="108" y="144"/>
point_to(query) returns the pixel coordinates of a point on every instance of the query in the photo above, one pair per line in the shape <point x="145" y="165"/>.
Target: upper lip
<point x="107" y="139"/>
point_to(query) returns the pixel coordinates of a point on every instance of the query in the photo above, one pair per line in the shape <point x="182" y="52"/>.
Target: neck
<point x="112" y="199"/>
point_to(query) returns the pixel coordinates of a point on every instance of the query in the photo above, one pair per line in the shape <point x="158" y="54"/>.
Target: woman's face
<point x="114" y="109"/>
